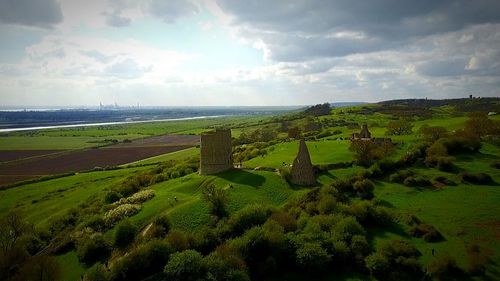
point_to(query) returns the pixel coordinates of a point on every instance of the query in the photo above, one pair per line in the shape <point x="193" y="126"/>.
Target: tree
<point x="217" y="199"/>
<point x="12" y="228"/>
<point x="432" y="133"/>
<point x="185" y="266"/>
<point x="125" y="234"/>
<point x="480" y="125"/>
<point x="399" y="127"/>
<point x="294" y="133"/>
<point x="319" y="109"/>
<point x="41" y="268"/>
<point x="364" y="151"/>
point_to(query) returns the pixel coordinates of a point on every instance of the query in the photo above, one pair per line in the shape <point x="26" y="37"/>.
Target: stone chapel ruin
<point x="302" y="169"/>
<point x="216" y="152"/>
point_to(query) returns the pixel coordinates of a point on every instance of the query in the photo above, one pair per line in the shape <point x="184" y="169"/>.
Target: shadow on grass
<point x="238" y="176"/>
<point x="384" y="231"/>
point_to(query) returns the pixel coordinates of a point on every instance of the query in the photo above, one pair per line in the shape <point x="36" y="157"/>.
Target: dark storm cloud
<point x="40" y="13"/>
<point x="385" y="18"/>
<point x="169" y="11"/>
<point x="304" y="29"/>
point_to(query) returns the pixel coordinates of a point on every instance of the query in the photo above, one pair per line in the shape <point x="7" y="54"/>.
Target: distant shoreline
<point x="106" y="123"/>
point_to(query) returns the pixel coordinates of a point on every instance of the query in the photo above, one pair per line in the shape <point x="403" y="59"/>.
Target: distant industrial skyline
<point x="235" y="52"/>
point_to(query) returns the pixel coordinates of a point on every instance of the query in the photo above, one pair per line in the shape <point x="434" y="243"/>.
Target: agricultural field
<point x="411" y="200"/>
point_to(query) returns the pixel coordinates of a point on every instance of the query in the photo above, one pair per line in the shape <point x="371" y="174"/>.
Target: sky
<point x="240" y="52"/>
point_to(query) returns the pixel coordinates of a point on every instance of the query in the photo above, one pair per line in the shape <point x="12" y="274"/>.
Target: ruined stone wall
<point x="216" y="152"/>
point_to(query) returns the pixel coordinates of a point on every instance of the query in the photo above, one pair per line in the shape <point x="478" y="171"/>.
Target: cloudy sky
<point x="240" y="52"/>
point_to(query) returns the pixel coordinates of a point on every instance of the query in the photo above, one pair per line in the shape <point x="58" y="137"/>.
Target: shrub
<point x="444" y="268"/>
<point x="248" y="217"/>
<point x="136" y="198"/>
<point x="120" y="212"/>
<point x="444" y="180"/>
<point x="478" y="178"/>
<point x="125" y="234"/>
<point x="426" y="231"/>
<point x="178" y="240"/>
<point x="285" y="219"/>
<point x="217" y="199"/>
<point x="111" y="197"/>
<point x="416" y="181"/>
<point x="394" y="260"/>
<point x="145" y="260"/>
<point x="96" y="222"/>
<point x="312" y="257"/>
<point x="222" y="267"/>
<point x="186" y="265"/>
<point x="160" y="227"/>
<point x="327" y="204"/>
<point x="495" y="165"/>
<point x="364" y="188"/>
<point x="400" y="176"/>
<point x="97" y="273"/>
<point x="93" y="249"/>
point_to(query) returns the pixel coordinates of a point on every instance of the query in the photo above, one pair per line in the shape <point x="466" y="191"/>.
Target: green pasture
<point x="322" y="152"/>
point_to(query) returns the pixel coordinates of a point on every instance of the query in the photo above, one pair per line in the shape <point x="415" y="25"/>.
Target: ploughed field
<point x="19" y="165"/>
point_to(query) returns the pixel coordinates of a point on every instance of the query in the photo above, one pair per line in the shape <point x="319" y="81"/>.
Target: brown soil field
<point x="163" y="140"/>
<point x="10" y="155"/>
<point x="86" y="159"/>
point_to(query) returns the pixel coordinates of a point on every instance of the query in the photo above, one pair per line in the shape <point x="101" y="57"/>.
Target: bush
<point x="364" y="188"/>
<point x="96" y="222"/>
<point x="178" y="240"/>
<point x="478" y="178"/>
<point x="395" y="260"/>
<point x="93" y="249"/>
<point x="217" y="199"/>
<point x="145" y="260"/>
<point x="416" y="181"/>
<point x="248" y="217"/>
<point x="111" y="197"/>
<point x="125" y="234"/>
<point x="186" y="265"/>
<point x="444" y="268"/>
<point x="312" y="257"/>
<point x="400" y="176"/>
<point x="126" y="210"/>
<point x="426" y="231"/>
<point x="160" y="227"/>
<point x="97" y="273"/>
<point x="136" y="198"/>
<point x="223" y="267"/>
<point x="444" y="180"/>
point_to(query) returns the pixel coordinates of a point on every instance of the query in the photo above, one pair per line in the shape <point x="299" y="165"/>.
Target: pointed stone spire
<point x="302" y="169"/>
<point x="365" y="134"/>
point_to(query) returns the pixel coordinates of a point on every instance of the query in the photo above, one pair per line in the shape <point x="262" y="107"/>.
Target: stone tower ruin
<point x="216" y="152"/>
<point x="302" y="170"/>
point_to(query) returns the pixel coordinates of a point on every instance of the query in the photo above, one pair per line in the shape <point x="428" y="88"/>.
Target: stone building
<point x="302" y="172"/>
<point x="364" y="134"/>
<point x="216" y="152"/>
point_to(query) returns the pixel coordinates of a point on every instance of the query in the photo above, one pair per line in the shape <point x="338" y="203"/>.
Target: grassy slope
<point x="39" y="202"/>
<point x="322" y="152"/>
